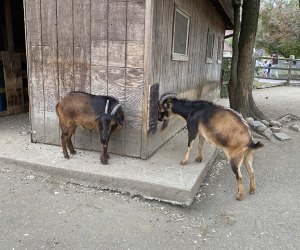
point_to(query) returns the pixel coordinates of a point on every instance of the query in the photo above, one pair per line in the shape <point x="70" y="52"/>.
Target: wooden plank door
<point x="13" y="82"/>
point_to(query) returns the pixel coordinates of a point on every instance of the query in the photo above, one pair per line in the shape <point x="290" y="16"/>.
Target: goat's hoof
<point x="252" y="190"/>
<point x="104" y="162"/>
<point x="67" y="157"/>
<point x="198" y="159"/>
<point x="73" y="152"/>
<point x="183" y="162"/>
<point x="240" y="196"/>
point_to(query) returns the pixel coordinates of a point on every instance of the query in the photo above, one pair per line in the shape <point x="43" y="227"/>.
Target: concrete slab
<point x="161" y="177"/>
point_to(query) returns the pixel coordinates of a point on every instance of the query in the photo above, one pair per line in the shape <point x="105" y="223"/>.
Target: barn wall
<point x="195" y="78"/>
<point x="96" y="46"/>
<point x="195" y="73"/>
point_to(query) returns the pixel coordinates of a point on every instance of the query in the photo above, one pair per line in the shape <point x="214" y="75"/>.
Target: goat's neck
<point x="182" y="108"/>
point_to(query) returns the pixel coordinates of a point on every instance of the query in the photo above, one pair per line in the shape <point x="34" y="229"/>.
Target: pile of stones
<point x="273" y="129"/>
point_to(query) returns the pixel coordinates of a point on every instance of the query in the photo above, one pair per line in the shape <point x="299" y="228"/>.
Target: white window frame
<point x="177" y="56"/>
<point x="210" y="59"/>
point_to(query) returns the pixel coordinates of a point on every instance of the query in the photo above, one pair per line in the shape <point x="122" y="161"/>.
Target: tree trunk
<point x="241" y="98"/>
<point x="235" y="52"/>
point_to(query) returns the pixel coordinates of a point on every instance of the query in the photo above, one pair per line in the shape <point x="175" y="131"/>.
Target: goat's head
<point x="110" y="121"/>
<point x="165" y="104"/>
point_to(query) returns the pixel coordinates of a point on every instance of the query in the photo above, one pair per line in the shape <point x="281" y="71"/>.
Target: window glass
<point x="210" y="46"/>
<point x="180" y="36"/>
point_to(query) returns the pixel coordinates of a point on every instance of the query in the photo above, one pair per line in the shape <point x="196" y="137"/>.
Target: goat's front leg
<point x="103" y="151"/>
<point x="200" y="148"/>
<point x="192" y="133"/>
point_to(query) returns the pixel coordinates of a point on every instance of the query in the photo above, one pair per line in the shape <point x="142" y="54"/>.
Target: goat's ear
<point x="167" y="105"/>
<point x="120" y="122"/>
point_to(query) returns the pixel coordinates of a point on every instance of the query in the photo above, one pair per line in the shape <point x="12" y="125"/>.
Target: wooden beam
<point x="148" y="77"/>
<point x="228" y="36"/>
<point x="8" y="26"/>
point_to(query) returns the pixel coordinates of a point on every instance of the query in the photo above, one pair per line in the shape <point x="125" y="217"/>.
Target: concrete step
<point x="160" y="177"/>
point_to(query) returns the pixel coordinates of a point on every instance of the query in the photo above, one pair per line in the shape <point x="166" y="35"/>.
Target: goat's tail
<point x="253" y="145"/>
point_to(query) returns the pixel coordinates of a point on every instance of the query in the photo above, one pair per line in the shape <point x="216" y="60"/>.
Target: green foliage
<point x="279" y="27"/>
<point x="226" y="65"/>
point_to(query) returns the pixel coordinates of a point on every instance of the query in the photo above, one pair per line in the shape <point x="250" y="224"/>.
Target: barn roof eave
<point x="225" y="9"/>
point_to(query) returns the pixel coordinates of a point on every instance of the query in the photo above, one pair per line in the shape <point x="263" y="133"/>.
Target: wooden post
<point x="288" y="82"/>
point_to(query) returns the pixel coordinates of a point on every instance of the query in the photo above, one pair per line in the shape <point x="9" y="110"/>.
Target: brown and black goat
<point x="218" y="125"/>
<point x="101" y="113"/>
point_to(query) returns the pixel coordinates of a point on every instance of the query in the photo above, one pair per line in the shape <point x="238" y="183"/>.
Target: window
<point x="210" y="46"/>
<point x="220" y="50"/>
<point x="180" y="36"/>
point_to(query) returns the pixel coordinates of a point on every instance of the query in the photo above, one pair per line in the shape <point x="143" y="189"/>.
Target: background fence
<point x="287" y="69"/>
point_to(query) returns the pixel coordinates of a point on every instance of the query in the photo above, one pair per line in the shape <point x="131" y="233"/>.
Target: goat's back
<point x="224" y="127"/>
<point x="82" y="109"/>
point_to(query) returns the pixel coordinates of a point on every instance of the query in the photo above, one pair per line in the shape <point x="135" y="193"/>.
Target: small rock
<point x="295" y="127"/>
<point x="285" y="119"/>
<point x="265" y="122"/>
<point x="258" y="126"/>
<point x="29" y="177"/>
<point x="268" y="133"/>
<point x="261" y="128"/>
<point x="275" y="129"/>
<point x="282" y="136"/>
<point x="275" y="124"/>
<point x="250" y="119"/>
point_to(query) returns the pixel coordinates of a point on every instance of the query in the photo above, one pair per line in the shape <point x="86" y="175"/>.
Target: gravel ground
<point x="42" y="212"/>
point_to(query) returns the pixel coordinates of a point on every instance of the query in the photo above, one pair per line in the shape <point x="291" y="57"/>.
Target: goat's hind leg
<point x="69" y="141"/>
<point x="192" y="133"/>
<point x="248" y="163"/>
<point x="200" y="148"/>
<point x="236" y="161"/>
<point x="64" y="135"/>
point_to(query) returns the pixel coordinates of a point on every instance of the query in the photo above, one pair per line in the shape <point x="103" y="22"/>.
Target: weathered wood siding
<point x="96" y="46"/>
<point x="195" y="78"/>
<point x="194" y="74"/>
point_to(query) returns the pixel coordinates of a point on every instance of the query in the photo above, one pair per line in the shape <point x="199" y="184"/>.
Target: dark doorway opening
<point x="13" y="67"/>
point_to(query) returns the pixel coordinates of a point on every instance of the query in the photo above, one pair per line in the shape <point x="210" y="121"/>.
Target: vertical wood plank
<point x="65" y="46"/>
<point x="50" y="70"/>
<point x="34" y="68"/>
<point x="134" y="77"/>
<point x="82" y="60"/>
<point x="116" y="64"/>
<point x="99" y="54"/>
<point x="117" y="21"/>
<point x="82" y="41"/>
<point x="37" y="110"/>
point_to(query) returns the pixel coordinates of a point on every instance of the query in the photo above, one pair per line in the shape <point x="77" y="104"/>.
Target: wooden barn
<point x="119" y="48"/>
